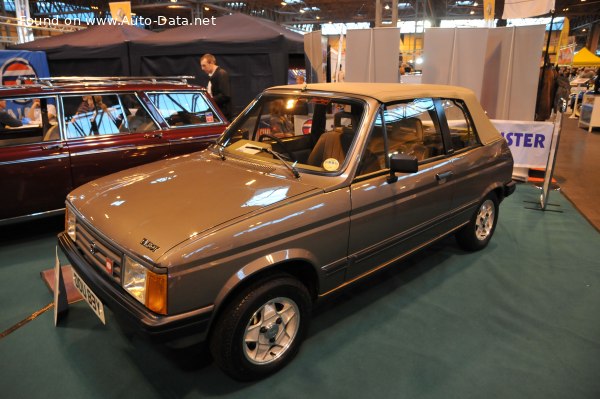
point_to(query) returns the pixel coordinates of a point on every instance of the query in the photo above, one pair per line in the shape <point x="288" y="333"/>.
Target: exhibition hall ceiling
<point x="319" y="11"/>
<point x="315" y="12"/>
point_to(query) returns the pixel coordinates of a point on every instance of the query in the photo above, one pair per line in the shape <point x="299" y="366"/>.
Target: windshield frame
<point x="257" y="108"/>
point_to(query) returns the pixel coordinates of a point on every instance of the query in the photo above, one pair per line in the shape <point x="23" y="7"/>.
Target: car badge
<point x="109" y="265"/>
<point x="149" y="244"/>
<point x="93" y="248"/>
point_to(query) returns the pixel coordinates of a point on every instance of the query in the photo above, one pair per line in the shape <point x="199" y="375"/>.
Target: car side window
<point x="137" y="119"/>
<point x="184" y="108"/>
<point x="92" y="115"/>
<point x="18" y="124"/>
<point x="411" y="127"/>
<point x="461" y="127"/>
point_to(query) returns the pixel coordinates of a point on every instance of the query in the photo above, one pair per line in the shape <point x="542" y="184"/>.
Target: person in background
<point x="6" y="119"/>
<point x="35" y="112"/>
<point x="597" y="82"/>
<point x="587" y="73"/>
<point x="281" y="126"/>
<point x="218" y="83"/>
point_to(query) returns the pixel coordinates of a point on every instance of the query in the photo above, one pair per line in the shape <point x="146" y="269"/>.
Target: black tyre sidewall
<point x="466" y="237"/>
<point x="227" y="342"/>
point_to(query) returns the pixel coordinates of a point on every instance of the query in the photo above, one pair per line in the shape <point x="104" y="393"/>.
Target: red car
<point x="57" y="134"/>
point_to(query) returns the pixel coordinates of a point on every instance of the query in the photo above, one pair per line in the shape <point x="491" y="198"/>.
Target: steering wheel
<point x="280" y="142"/>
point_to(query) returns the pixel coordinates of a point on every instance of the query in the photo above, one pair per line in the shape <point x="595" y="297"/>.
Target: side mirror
<point x="402" y="163"/>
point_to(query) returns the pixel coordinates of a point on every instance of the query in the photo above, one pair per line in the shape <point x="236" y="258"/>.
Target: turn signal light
<point x="156" y="292"/>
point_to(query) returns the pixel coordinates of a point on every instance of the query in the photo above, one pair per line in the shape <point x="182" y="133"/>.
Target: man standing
<point x="218" y="83"/>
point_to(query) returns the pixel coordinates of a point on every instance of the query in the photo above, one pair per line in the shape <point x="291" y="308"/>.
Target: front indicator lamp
<point x="147" y="287"/>
<point x="70" y="224"/>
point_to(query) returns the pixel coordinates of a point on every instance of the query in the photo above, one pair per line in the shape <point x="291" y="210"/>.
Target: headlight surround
<point x="147" y="287"/>
<point x="71" y="224"/>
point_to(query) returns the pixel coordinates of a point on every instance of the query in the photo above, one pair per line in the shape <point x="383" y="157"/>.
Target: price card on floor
<point x="60" y="293"/>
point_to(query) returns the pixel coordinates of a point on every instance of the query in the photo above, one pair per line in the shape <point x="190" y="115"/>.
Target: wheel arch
<point x="295" y="263"/>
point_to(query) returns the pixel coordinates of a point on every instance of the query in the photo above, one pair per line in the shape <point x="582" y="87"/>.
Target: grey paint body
<point x="217" y="222"/>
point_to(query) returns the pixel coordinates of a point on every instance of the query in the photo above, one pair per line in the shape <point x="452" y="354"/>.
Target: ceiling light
<point x="283" y="3"/>
<point x="302" y="11"/>
<point x="318" y="17"/>
<point x="206" y="9"/>
<point x="475" y="4"/>
<point x="387" y="7"/>
<point x="472" y="12"/>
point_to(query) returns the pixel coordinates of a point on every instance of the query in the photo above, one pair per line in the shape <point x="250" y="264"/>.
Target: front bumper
<point x="131" y="312"/>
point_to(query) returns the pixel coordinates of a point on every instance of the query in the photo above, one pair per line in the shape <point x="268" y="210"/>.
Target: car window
<point x="184" y="108"/>
<point x="315" y="133"/>
<point x="137" y="119"/>
<point x="411" y="127"/>
<point x="92" y="115"/>
<point x="462" y="129"/>
<point x="27" y="120"/>
<point x="105" y="114"/>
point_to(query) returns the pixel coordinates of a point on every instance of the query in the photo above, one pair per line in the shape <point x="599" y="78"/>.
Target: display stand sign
<point x="529" y="142"/>
<point x="61" y="306"/>
<point x="551" y="162"/>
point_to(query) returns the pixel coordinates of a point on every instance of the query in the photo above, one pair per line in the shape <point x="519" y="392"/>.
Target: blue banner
<point x="17" y="66"/>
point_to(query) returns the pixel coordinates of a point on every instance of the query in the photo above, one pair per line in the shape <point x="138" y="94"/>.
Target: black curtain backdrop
<point x="101" y="50"/>
<point x="254" y="51"/>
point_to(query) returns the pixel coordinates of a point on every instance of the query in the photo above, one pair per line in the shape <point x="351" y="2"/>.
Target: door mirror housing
<point x="402" y="163"/>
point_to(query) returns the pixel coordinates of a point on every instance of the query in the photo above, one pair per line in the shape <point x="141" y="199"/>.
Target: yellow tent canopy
<point x="584" y="57"/>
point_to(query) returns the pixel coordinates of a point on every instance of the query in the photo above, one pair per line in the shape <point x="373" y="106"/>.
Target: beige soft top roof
<point x="388" y="92"/>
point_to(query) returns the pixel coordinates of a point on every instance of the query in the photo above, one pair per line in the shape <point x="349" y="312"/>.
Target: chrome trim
<point x="33" y="216"/>
<point x="36" y="159"/>
<point x="184" y="140"/>
<point x="129" y="147"/>
<point x="196" y="125"/>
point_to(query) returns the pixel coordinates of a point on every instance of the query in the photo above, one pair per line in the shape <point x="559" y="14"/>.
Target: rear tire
<point x="478" y="232"/>
<point x="261" y="330"/>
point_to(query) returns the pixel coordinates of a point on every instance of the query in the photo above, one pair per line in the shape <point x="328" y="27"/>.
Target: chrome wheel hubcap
<point x="271" y="331"/>
<point x="485" y="220"/>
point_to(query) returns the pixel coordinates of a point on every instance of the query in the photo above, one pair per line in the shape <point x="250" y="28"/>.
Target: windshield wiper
<point x="291" y="167"/>
<point x="220" y="150"/>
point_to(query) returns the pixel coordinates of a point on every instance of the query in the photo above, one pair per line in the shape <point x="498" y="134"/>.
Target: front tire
<point x="478" y="232"/>
<point x="261" y="330"/>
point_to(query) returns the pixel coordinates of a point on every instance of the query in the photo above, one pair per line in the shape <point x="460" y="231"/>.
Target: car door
<point x="468" y="155"/>
<point x="34" y="166"/>
<point x="392" y="219"/>
<point x="193" y="121"/>
<point x="111" y="133"/>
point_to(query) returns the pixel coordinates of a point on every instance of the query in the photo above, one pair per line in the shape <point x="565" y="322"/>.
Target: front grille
<point x="98" y="251"/>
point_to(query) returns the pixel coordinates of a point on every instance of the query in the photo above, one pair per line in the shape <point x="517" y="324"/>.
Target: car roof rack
<point x="99" y="80"/>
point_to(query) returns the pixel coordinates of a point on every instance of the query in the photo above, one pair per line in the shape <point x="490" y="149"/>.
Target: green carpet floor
<point x="520" y="319"/>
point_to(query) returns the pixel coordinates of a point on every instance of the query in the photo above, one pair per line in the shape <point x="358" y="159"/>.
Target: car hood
<point x="150" y="209"/>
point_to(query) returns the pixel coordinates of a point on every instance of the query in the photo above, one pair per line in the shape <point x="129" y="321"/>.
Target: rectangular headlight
<point x="147" y="287"/>
<point x="70" y="224"/>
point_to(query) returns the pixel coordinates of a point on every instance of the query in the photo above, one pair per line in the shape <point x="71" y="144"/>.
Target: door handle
<point x="53" y="146"/>
<point x="153" y="136"/>
<point x="442" y="177"/>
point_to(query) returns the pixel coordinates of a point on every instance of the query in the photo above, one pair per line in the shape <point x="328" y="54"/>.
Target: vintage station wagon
<point x="310" y="189"/>
<point x="69" y="131"/>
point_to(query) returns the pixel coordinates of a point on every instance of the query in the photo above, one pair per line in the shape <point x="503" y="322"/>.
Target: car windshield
<point x="313" y="133"/>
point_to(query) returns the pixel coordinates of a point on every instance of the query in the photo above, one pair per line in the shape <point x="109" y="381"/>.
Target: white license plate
<point x="89" y="296"/>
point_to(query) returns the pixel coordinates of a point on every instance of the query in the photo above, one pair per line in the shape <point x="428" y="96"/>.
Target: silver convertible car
<point x="310" y="189"/>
